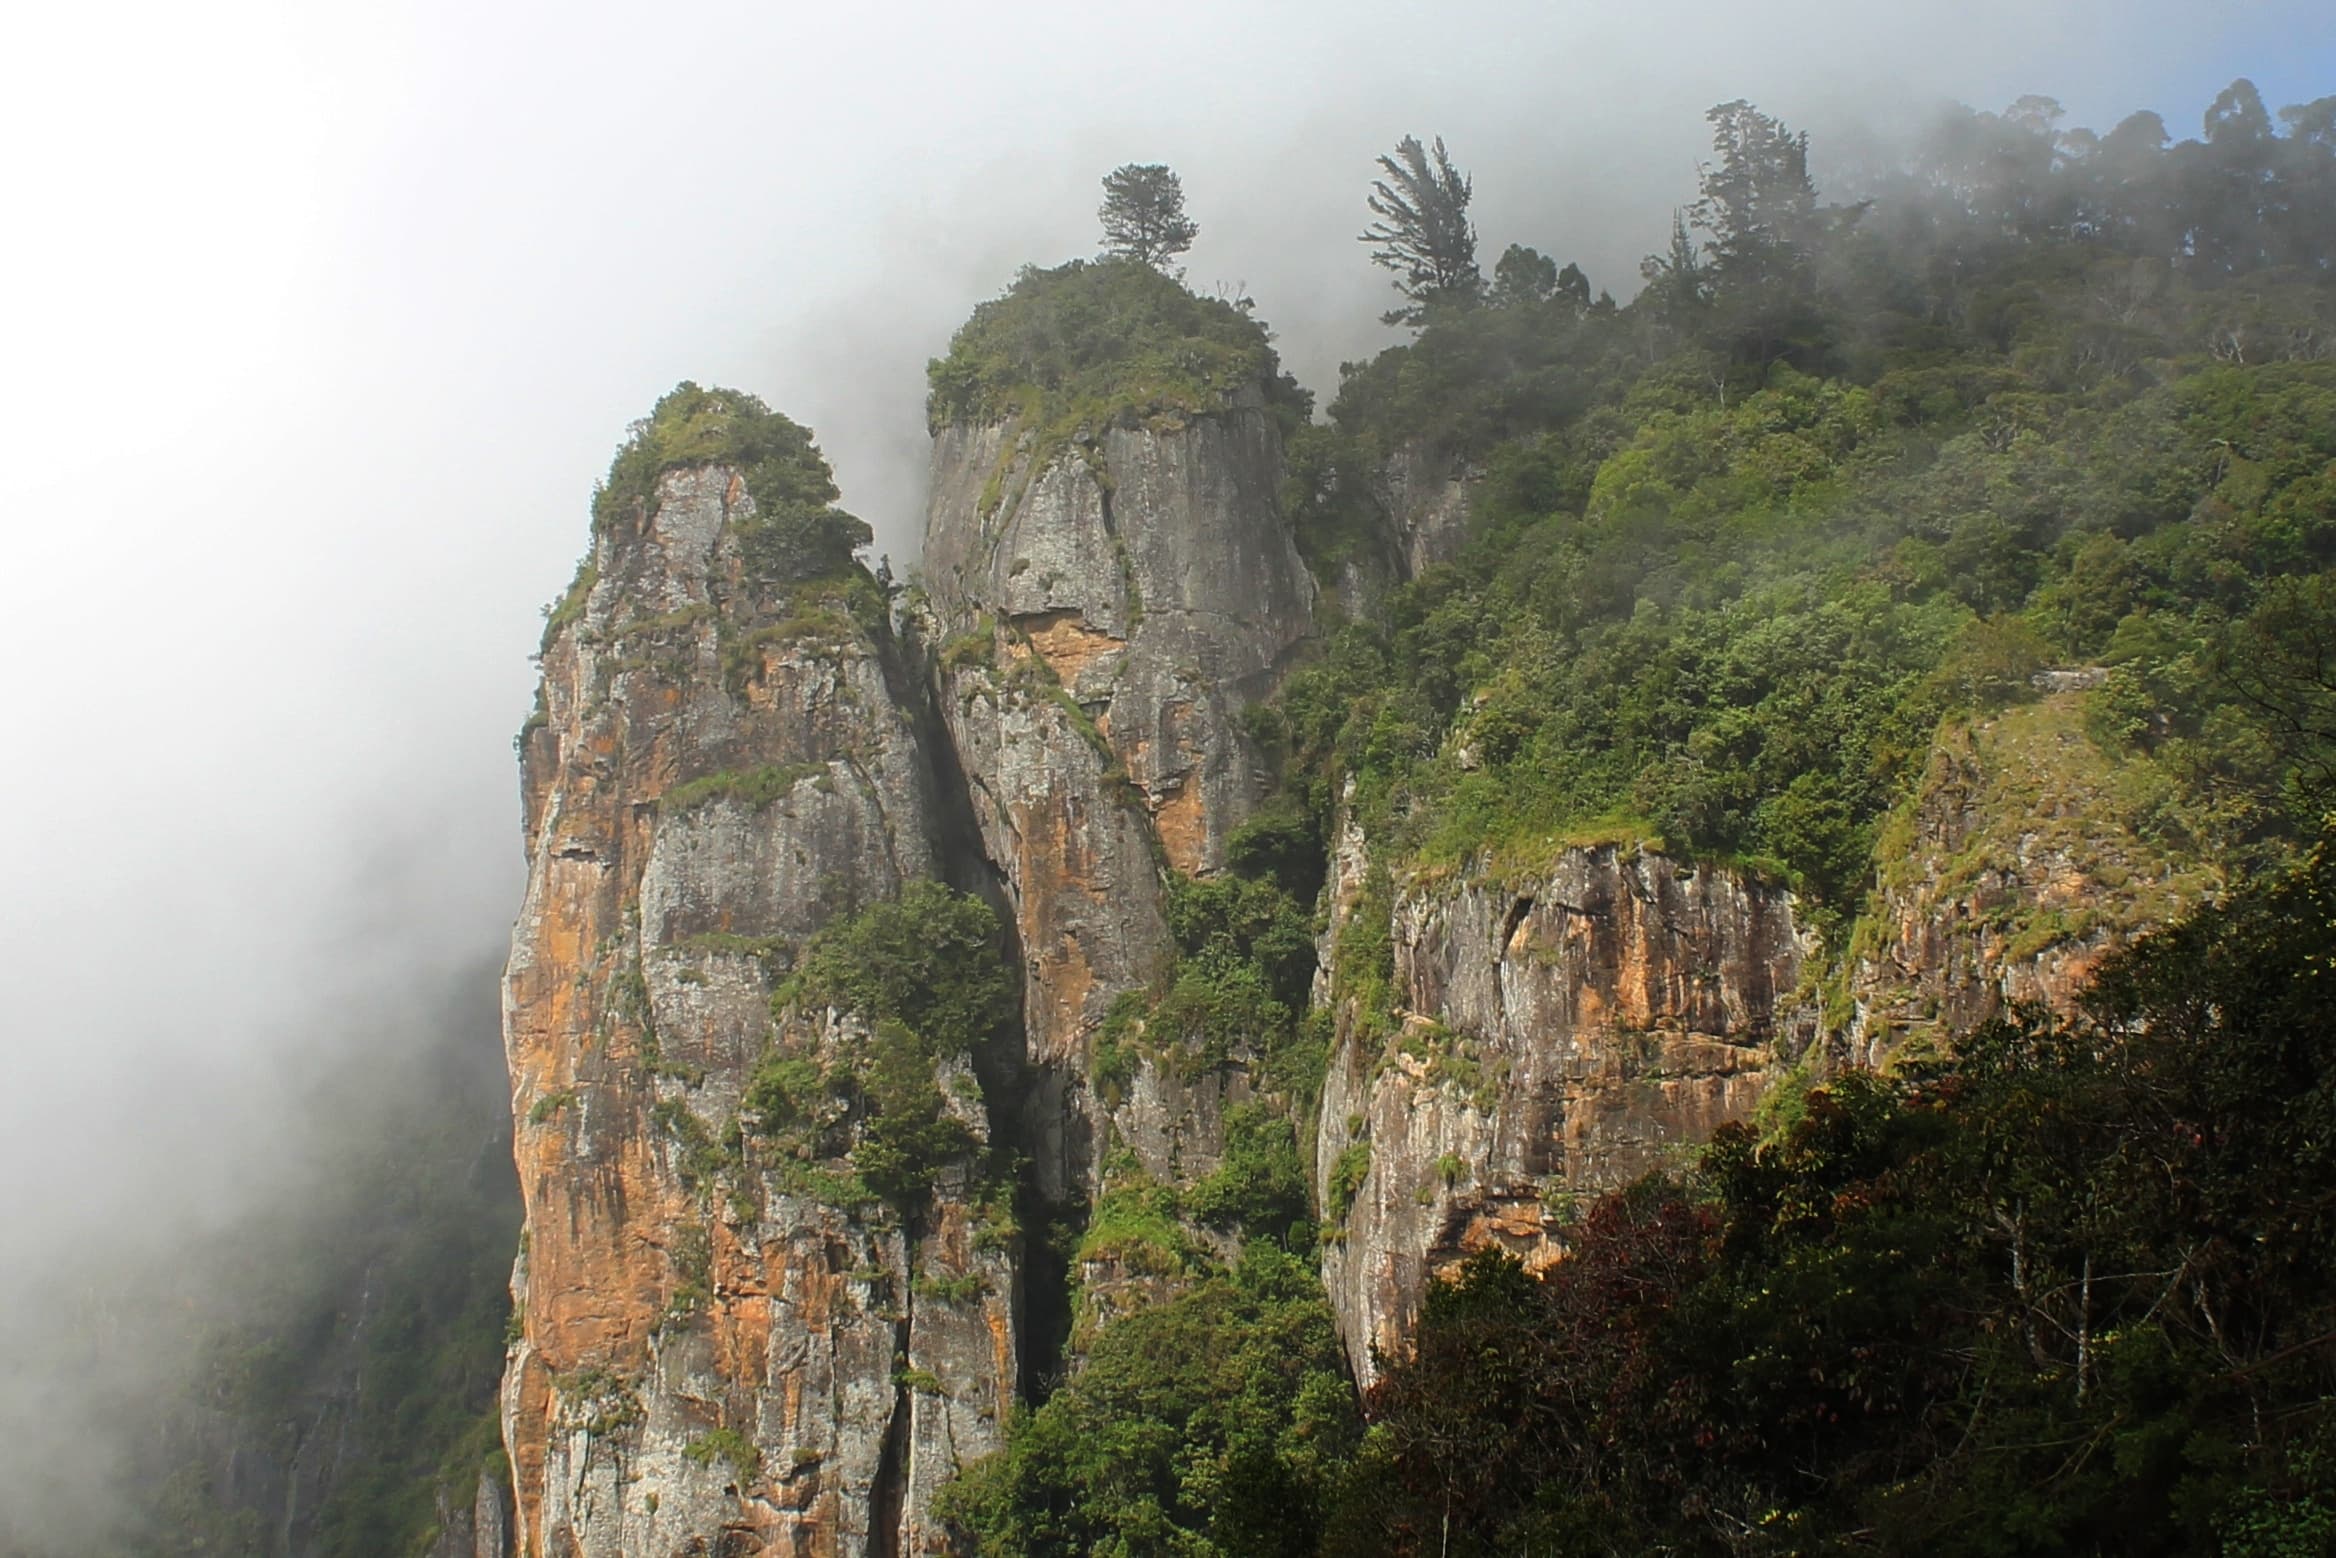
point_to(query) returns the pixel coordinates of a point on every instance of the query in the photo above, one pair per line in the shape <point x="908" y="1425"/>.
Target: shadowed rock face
<point x="1106" y="611"/>
<point x="1428" y="497"/>
<point x="711" y="1356"/>
<point x="1552" y="1039"/>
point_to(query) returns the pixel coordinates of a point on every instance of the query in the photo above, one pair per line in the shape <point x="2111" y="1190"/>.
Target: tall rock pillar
<point x="722" y="1345"/>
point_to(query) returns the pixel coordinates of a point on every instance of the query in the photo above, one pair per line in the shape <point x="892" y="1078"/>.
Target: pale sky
<point x="320" y="320"/>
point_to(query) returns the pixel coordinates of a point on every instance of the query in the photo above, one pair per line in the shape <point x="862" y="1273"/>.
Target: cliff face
<point x="715" y="1351"/>
<point x="717" y="1345"/>
<point x="1427" y="496"/>
<point x="1411" y="511"/>
<point x="2026" y="856"/>
<point x="727" y="1344"/>
<point x="1106" y="611"/>
<point x="1547" y="1041"/>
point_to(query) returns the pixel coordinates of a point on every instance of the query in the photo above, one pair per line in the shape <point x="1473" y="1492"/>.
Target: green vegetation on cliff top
<point x="796" y="533"/>
<point x="1099" y="343"/>
<point x="1737" y="548"/>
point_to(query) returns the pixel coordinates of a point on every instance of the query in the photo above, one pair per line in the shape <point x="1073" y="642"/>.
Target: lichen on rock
<point x="715" y="1334"/>
<point x="1548" y="1040"/>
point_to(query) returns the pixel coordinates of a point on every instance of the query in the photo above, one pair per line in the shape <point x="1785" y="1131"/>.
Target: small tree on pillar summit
<point x="1143" y="214"/>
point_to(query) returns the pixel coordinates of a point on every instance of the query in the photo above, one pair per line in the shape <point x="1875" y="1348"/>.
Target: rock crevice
<point x="1548" y="1042"/>
<point x="713" y="1337"/>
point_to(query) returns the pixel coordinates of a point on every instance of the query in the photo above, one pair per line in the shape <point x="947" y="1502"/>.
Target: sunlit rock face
<point x="2024" y="859"/>
<point x="719" y="1351"/>
<point x="1105" y="611"/>
<point x="1550" y="1038"/>
<point x="710" y="1355"/>
<point x="713" y="1355"/>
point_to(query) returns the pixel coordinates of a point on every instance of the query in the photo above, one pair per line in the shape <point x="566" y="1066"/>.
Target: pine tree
<point x="1143" y="214"/>
<point x="1423" y="233"/>
<point x="1758" y="203"/>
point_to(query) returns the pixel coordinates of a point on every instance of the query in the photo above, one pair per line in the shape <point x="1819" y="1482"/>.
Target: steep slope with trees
<point x="1945" y="564"/>
<point x="1692" y="924"/>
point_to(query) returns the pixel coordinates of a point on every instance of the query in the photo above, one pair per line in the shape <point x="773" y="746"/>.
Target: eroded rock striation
<point x="1106" y="609"/>
<point x="1540" y="1041"/>
<point x="717" y="1349"/>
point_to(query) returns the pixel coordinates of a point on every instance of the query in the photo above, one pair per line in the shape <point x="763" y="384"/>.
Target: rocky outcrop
<point x="480" y="1529"/>
<point x="728" y="1343"/>
<point x="2027" y="855"/>
<point x="1428" y="495"/>
<point x="1547" y="1040"/>
<point x="1107" y="608"/>
<point x="718" y="1349"/>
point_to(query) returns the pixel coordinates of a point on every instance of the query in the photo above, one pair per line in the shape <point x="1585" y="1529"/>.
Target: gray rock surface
<point x="1552" y="1039"/>
<point x="1429" y="498"/>
<point x="719" y="1350"/>
<point x="1106" y="611"/>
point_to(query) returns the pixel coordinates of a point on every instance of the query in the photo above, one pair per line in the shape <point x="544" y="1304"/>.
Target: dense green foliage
<point x="1236" y="991"/>
<point x="1095" y="343"/>
<point x="1259" y="1185"/>
<point x="796" y="533"/>
<point x="1214" y="1424"/>
<point x="928" y="960"/>
<point x="2073" y="1292"/>
<point x="924" y="973"/>
<point x="1739" y="546"/>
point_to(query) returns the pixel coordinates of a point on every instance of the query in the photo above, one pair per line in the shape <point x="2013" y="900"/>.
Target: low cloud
<point x="321" y="326"/>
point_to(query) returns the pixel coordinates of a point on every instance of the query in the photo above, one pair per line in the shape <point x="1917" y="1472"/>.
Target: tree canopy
<point x="796" y="531"/>
<point x="1422" y="234"/>
<point x="1143" y="214"/>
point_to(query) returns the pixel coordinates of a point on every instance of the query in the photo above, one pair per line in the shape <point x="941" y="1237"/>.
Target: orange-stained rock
<point x="1553" y="1039"/>
<point x="2025" y="857"/>
<point x="713" y="1337"/>
<point x="1064" y="641"/>
<point x="1139" y="591"/>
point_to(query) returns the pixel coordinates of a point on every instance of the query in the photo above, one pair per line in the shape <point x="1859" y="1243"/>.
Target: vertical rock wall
<point x="713" y="1355"/>
<point x="1106" y="610"/>
<point x="719" y="1350"/>
<point x="1549" y="1040"/>
<point x="1428" y="496"/>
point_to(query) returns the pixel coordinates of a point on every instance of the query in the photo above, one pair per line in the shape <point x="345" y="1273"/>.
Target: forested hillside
<point x="1840" y="471"/>
<point x="2006" y="479"/>
<point x="1683" y="925"/>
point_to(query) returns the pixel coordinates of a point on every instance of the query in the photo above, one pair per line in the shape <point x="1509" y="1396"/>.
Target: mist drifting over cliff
<point x="321" y="325"/>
